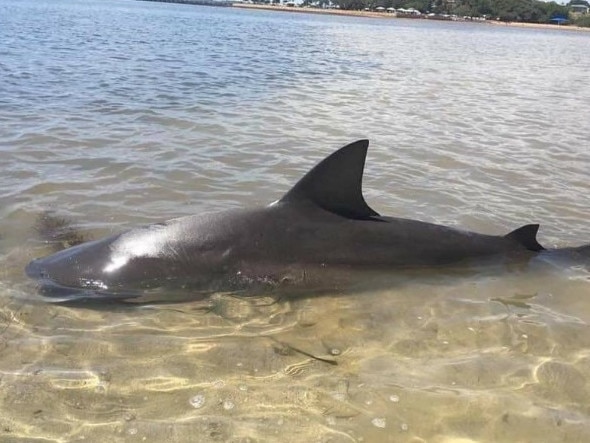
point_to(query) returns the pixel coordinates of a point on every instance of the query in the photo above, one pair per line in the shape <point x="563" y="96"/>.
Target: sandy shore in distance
<point x="315" y="10"/>
<point x="538" y="26"/>
<point x="392" y="16"/>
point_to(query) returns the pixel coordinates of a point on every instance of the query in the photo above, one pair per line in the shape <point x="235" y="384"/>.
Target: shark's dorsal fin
<point x="527" y="237"/>
<point x="335" y="184"/>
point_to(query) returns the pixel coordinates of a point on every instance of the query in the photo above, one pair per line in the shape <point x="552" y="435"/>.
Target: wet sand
<point x="372" y="14"/>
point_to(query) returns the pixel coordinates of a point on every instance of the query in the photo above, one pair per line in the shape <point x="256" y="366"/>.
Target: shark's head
<point x="173" y="255"/>
<point x="78" y="271"/>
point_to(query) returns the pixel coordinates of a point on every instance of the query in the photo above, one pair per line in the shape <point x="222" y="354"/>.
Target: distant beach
<point x="385" y="15"/>
<point x="538" y="26"/>
<point x="315" y="10"/>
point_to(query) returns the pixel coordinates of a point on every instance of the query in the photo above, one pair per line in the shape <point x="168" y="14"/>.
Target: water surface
<point x="119" y="113"/>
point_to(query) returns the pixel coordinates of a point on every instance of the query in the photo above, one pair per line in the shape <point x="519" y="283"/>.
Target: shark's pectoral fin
<point x="527" y="237"/>
<point x="335" y="184"/>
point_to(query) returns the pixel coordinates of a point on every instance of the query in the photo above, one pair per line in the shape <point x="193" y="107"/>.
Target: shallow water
<point x="120" y="113"/>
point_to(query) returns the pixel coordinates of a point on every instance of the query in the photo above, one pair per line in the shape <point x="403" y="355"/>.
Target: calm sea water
<point x="119" y="113"/>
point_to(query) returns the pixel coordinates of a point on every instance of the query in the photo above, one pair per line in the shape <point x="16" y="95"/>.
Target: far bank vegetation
<point x="530" y="11"/>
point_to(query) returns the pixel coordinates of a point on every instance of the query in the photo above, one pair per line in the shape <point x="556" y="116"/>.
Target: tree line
<point x="531" y="11"/>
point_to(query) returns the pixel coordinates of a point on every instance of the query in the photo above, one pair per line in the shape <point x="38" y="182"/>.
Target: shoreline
<point x="384" y="15"/>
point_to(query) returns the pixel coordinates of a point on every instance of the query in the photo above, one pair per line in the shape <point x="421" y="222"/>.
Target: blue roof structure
<point x="558" y="20"/>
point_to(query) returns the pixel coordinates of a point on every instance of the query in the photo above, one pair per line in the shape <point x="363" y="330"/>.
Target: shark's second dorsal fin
<point x="335" y="184"/>
<point x="527" y="237"/>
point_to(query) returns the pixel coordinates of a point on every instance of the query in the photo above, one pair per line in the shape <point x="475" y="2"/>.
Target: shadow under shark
<point x="319" y="236"/>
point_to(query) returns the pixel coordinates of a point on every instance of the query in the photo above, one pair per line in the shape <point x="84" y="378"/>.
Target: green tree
<point x="420" y="5"/>
<point x="534" y="11"/>
<point x="583" y="21"/>
<point x="351" y="4"/>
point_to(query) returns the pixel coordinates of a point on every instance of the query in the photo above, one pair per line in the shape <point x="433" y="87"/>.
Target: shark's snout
<point x="50" y="283"/>
<point x="36" y="270"/>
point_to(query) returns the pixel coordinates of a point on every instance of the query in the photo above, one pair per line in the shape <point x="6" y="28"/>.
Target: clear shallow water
<point x="121" y="113"/>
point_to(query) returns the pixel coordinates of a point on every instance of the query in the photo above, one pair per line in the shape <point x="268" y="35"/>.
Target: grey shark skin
<point x="320" y="229"/>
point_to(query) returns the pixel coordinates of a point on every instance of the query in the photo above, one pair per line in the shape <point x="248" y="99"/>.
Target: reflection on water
<point x="123" y="113"/>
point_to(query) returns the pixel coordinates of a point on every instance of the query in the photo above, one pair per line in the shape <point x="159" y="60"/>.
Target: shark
<point x="317" y="236"/>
